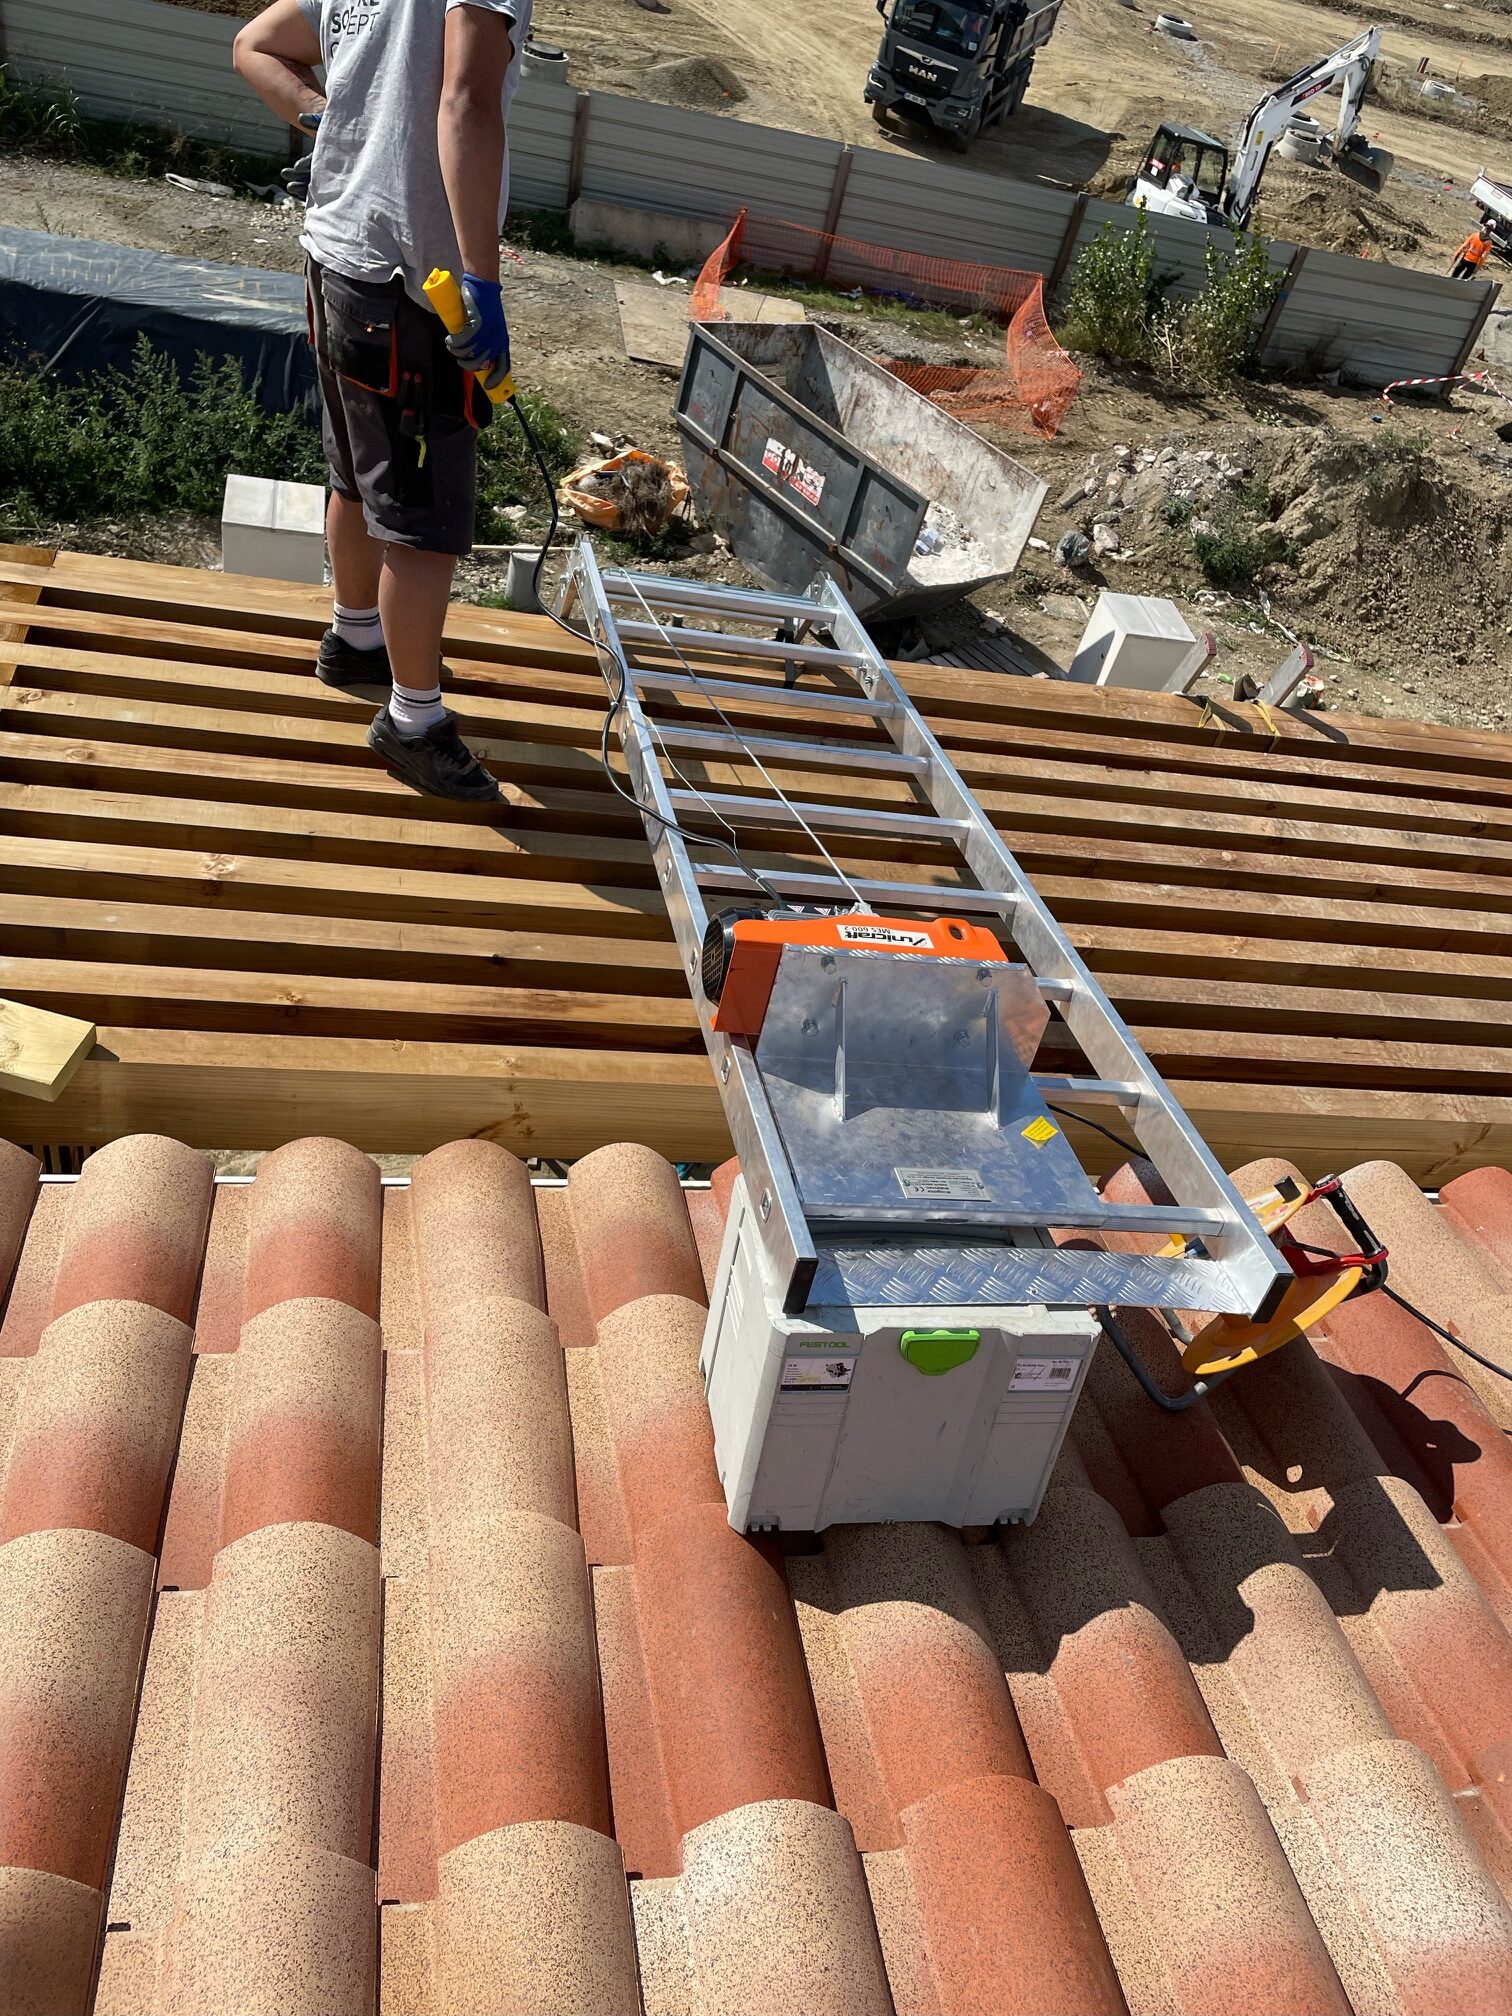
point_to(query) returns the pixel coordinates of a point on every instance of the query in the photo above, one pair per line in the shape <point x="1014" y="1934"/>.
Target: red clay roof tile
<point x="313" y="1228"/>
<point x="1277" y="1575"/>
<point x="97" y="1424"/>
<point x="136" y="1228"/>
<point x="18" y="1194"/>
<point x="633" y="1233"/>
<point x="303" y="1435"/>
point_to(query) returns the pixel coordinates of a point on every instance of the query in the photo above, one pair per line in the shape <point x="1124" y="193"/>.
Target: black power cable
<point x="617" y="699"/>
<point x="1098" y="1128"/>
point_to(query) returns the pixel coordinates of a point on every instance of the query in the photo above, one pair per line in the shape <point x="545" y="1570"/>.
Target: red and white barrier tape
<point x="1481" y="378"/>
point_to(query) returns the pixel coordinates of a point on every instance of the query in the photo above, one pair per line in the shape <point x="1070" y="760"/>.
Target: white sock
<point x="360" y="628"/>
<point x="413" y="712"/>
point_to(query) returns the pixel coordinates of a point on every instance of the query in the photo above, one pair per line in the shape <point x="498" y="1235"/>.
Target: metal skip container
<point x="808" y="456"/>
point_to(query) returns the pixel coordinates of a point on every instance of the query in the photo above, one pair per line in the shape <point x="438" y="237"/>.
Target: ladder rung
<point x="714" y="641"/>
<point x="1088" y="1091"/>
<point x="664" y="593"/>
<point x="789" y="748"/>
<point x="1100" y="1217"/>
<point x="833" y="818"/>
<point x="908" y="897"/>
<point x="852" y="705"/>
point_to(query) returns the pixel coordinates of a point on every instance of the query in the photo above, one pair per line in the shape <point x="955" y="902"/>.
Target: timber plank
<point x="61" y="813"/>
<point x="265" y="606"/>
<point x="232" y="882"/>
<point x="184" y="997"/>
<point x="63" y="927"/>
<point x="41" y="1046"/>
<point x="215" y="1091"/>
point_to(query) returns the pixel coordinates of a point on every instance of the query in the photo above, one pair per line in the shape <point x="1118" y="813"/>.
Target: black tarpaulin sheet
<point x="74" y="307"/>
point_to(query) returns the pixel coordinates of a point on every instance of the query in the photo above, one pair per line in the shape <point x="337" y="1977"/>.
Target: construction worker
<point x="1473" y="254"/>
<point x="410" y="171"/>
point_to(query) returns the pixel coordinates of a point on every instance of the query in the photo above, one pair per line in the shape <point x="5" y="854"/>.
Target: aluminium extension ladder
<point x="825" y="1173"/>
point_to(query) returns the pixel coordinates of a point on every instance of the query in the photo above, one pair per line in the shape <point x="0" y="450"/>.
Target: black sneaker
<point x="438" y="762"/>
<point x="343" y="666"/>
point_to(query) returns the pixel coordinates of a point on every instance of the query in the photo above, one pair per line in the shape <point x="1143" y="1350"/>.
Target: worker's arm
<point x="470" y="129"/>
<point x="276" y="54"/>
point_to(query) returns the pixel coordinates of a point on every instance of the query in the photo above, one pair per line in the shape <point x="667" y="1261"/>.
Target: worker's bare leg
<point x="356" y="563"/>
<point x="413" y="593"/>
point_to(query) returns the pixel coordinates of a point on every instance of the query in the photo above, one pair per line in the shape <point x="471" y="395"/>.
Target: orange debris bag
<point x="630" y="492"/>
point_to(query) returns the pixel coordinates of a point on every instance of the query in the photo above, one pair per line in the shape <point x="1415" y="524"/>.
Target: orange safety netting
<point x="1033" y="388"/>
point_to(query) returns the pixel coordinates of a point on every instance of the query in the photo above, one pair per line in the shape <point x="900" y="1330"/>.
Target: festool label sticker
<point x="942" y="1186"/>
<point x="1043" y="1375"/>
<point x="885" y="935"/>
<point x="815" y="1374"/>
<point x="1038" y="1132"/>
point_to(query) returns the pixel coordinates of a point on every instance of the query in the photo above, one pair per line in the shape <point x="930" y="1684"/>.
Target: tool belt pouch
<point x="357" y="332"/>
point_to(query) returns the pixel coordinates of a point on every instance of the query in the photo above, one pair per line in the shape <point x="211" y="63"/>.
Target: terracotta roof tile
<point x="136" y="1228"/>
<point x="313" y="1228"/>
<point x="97" y="1424"/>
<point x="73" y="1612"/>
<point x="634" y="1237"/>
<point x="18" y="1194"/>
<point x="47" y="1942"/>
<point x="1227" y="1732"/>
<point x="303" y="1435"/>
<point x="1255" y="1945"/>
<point x="519" y="1730"/>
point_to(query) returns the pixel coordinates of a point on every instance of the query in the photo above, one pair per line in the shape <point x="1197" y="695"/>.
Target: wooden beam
<point x="214" y="1091"/>
<point x="40" y="1049"/>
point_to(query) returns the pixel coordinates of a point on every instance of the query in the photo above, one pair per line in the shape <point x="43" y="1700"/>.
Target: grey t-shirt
<point x="378" y="208"/>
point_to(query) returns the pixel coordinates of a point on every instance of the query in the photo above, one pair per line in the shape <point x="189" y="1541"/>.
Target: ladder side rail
<point x="753" y="1130"/>
<point x="1182" y="1157"/>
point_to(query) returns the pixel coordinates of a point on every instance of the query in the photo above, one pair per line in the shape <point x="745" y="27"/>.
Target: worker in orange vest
<point x="1473" y="254"/>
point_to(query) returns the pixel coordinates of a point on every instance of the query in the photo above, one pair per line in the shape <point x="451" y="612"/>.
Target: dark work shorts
<point x="400" y="417"/>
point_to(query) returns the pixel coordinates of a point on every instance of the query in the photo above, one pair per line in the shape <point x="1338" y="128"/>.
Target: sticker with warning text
<point x="943" y="1186"/>
<point x="818" y="1375"/>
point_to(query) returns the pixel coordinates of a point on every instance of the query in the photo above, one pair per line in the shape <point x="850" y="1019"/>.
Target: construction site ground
<point x="1099" y="89"/>
<point x="1394" y="561"/>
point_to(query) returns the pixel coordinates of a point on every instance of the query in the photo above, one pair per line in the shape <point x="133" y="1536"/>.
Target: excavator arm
<point x="1350" y="67"/>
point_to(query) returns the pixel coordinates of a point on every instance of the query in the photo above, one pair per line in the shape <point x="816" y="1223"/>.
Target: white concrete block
<point x="1132" y="640"/>
<point x="274" y="529"/>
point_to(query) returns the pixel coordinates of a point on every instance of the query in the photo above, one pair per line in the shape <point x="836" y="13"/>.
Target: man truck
<point x="955" y="68"/>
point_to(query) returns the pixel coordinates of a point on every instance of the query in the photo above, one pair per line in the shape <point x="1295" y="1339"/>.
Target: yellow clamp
<point x="445" y="296"/>
<point x="1228" y="1342"/>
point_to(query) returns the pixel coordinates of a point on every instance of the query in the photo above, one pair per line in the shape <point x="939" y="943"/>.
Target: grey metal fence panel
<point x="1180" y="247"/>
<point x="1374" y="322"/>
<point x="664" y="158"/>
<point x="540" y="144"/>
<point x="140" y="59"/>
<point x="954" y="213"/>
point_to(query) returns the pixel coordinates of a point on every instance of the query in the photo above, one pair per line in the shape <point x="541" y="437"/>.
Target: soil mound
<point x="699" y="82"/>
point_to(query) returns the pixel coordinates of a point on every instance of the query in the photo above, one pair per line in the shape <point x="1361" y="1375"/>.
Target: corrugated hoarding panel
<point x="953" y="213"/>
<point x="664" y="158"/>
<point x="1374" y="322"/>
<point x="540" y="144"/>
<point x="1179" y="246"/>
<point x="140" y="59"/>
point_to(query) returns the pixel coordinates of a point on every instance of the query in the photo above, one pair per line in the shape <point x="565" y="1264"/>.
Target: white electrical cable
<point x="749" y="754"/>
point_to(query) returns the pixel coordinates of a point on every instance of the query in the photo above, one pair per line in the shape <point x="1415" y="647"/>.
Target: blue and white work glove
<point x="483" y="346"/>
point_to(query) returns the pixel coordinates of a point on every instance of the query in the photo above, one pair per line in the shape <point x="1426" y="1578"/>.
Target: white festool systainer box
<point x="853" y="1413"/>
<point x="1132" y="640"/>
<point x="274" y="529"/>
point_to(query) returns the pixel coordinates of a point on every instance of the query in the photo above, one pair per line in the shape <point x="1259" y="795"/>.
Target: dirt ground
<point x="1098" y="91"/>
<point x="1405" y="590"/>
<point x="1390" y="560"/>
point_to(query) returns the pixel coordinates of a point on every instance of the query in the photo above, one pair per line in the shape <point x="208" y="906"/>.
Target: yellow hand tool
<point x="445" y="296"/>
